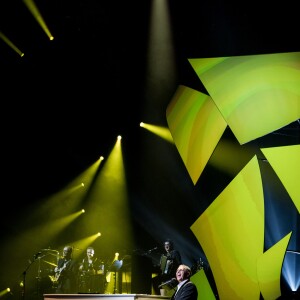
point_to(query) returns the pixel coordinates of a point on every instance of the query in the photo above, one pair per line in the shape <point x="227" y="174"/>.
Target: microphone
<point x="37" y="255"/>
<point x="155" y="248"/>
<point x="172" y="282"/>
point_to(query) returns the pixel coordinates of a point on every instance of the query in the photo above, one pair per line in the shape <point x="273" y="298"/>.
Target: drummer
<point x="89" y="268"/>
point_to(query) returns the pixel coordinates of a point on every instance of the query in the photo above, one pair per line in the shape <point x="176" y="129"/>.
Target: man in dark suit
<point x="186" y="289"/>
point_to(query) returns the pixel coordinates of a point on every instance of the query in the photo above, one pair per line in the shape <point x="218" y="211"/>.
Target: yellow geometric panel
<point x="204" y="289"/>
<point x="231" y="233"/>
<point x="285" y="161"/>
<point x="269" y="269"/>
<point x="196" y="126"/>
<point x="250" y="90"/>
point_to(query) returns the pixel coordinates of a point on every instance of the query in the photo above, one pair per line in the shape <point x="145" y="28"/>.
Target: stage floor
<point x="103" y="297"/>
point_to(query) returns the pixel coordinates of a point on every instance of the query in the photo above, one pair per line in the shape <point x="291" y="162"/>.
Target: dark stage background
<point x="65" y="101"/>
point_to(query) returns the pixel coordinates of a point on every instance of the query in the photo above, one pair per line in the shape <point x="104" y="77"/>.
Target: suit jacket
<point x="188" y="291"/>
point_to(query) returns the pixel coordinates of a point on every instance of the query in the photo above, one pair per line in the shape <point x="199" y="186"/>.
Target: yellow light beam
<point x="4" y="292"/>
<point x="159" y="130"/>
<point x="35" y="12"/>
<point x="11" y="44"/>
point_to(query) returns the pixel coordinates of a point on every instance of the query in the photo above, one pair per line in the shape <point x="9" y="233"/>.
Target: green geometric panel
<point x="204" y="290"/>
<point x="269" y="269"/>
<point x="285" y="161"/>
<point x="231" y="233"/>
<point x="196" y="126"/>
<point x="250" y="90"/>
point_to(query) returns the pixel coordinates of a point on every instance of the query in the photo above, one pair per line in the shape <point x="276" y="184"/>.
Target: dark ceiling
<point x="65" y="101"/>
<point x="68" y="99"/>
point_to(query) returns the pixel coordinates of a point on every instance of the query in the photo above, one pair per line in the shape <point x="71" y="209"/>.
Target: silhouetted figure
<point x="169" y="262"/>
<point x="65" y="278"/>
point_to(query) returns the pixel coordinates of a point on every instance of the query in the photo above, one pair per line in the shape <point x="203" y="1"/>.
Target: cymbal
<point x="50" y="263"/>
<point x="50" y="250"/>
<point x="56" y="254"/>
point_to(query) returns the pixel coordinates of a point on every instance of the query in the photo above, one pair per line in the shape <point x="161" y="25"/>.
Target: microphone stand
<point x="36" y="256"/>
<point x="24" y="279"/>
<point x="38" y="278"/>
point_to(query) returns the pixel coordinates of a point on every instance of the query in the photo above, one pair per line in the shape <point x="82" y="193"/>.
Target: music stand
<point x="115" y="267"/>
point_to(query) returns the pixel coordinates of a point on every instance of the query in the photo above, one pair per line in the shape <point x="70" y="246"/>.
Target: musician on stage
<point x="169" y="262"/>
<point x="186" y="289"/>
<point x="65" y="278"/>
<point x="91" y="273"/>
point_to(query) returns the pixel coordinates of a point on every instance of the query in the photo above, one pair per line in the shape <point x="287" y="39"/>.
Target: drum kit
<point x="47" y="261"/>
<point x="93" y="280"/>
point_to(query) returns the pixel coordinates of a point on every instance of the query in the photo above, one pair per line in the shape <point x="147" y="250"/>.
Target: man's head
<point x="90" y="251"/>
<point x="183" y="272"/>
<point x="67" y="252"/>
<point x="168" y="245"/>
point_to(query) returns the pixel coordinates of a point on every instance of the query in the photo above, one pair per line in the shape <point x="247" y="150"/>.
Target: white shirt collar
<point x="181" y="284"/>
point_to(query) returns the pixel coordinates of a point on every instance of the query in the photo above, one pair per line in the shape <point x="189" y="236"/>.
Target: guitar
<point x="59" y="271"/>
